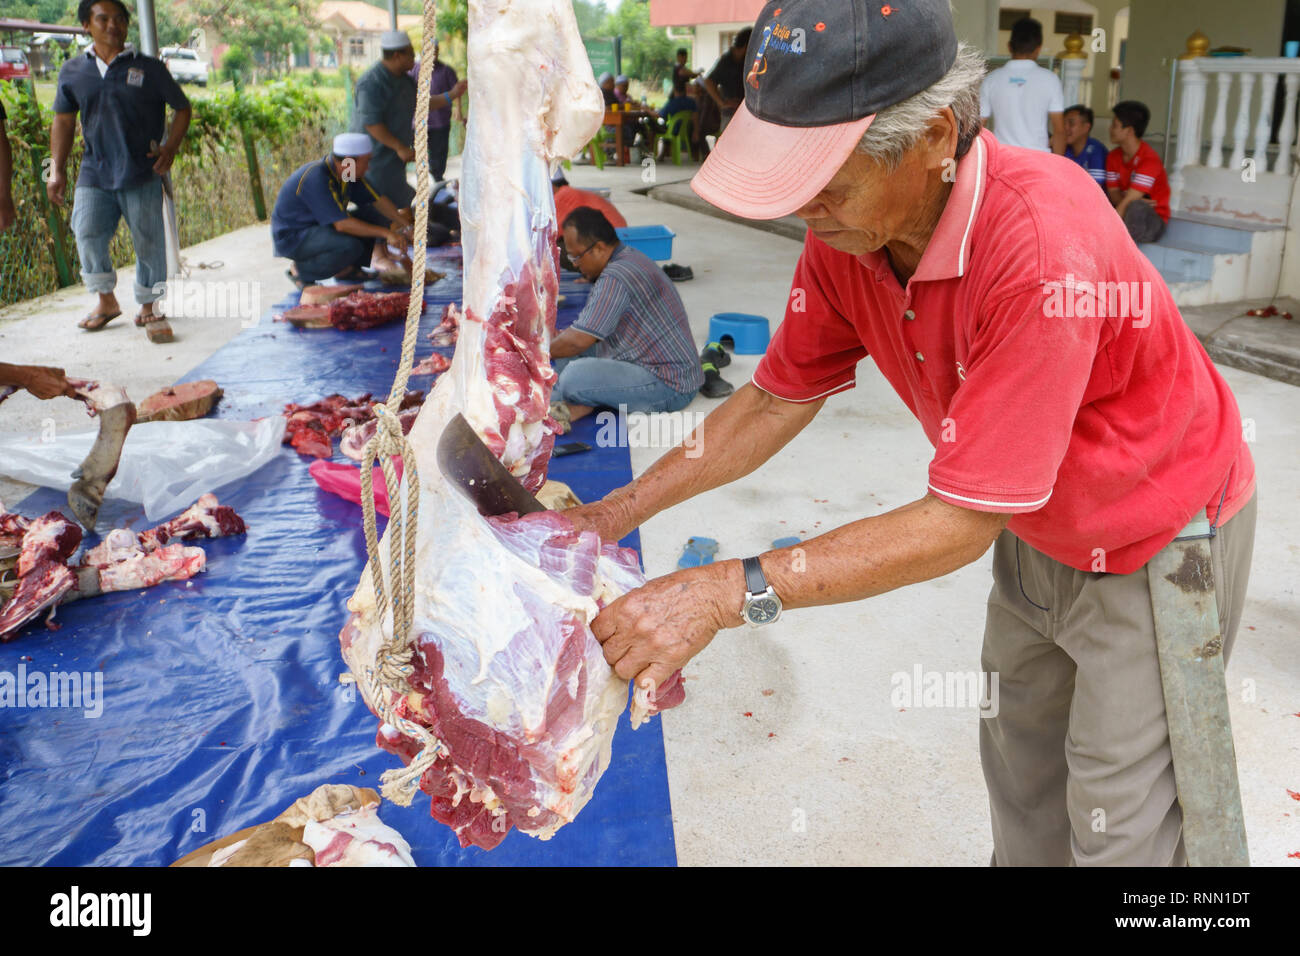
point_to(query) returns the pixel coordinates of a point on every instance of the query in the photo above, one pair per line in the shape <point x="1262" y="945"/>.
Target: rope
<point x="396" y="598"/>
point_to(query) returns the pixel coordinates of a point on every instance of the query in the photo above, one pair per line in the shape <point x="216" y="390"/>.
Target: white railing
<point x="1249" y="137"/>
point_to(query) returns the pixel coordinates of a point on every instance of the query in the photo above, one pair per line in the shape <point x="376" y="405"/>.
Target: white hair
<point x="898" y="128"/>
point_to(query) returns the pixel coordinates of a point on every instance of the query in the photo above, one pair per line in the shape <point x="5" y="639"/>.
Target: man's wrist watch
<point x="761" y="606"/>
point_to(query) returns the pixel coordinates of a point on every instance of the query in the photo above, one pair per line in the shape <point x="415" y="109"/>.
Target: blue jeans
<point x="324" y="252"/>
<point x="95" y="215"/>
<point x="609" y="383"/>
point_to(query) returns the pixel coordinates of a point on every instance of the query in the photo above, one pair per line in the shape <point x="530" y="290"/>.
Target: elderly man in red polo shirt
<point x="1076" y="430"/>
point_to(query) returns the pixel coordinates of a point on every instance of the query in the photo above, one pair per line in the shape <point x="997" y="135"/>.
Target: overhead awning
<point x="686" y="13"/>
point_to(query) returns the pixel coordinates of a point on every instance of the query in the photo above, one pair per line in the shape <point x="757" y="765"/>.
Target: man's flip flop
<point x="97" y="320"/>
<point x="715" y="386"/>
<point x="698" y="551"/>
<point x="298" y="284"/>
<point x="786" y="542"/>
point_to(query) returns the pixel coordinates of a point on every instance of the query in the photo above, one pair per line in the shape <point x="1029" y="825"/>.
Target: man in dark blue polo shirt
<point x="1081" y="147"/>
<point x="121" y="96"/>
<point x="311" y="225"/>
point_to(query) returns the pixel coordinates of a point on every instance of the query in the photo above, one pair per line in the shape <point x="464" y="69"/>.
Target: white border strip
<point x="803" y="401"/>
<point x="974" y="205"/>
<point x="995" y="504"/>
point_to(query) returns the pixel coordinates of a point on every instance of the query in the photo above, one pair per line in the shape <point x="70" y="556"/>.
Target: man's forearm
<point x="61" y="139"/>
<point x="381" y="132"/>
<point x="919" y="541"/>
<point x="749" y="428"/>
<point x="180" y="123"/>
<point x="358" y="227"/>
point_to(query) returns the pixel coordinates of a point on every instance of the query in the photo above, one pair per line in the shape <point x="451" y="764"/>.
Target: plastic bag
<point x="165" y="465"/>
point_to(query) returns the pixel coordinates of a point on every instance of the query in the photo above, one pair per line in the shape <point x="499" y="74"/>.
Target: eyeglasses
<point x="574" y="259"/>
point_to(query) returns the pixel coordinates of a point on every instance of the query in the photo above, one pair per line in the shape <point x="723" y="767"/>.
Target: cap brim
<point x="760" y="170"/>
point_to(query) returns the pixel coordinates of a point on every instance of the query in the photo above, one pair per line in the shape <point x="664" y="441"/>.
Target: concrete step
<point x="1191" y="234"/>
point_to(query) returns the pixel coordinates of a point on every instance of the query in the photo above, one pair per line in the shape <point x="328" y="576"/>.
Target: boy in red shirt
<point x="1135" y="177"/>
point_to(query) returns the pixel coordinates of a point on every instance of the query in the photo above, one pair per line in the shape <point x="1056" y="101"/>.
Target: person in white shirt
<point x="1023" y="98"/>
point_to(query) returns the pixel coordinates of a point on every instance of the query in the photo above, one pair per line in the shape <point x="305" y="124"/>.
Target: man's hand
<point x="45" y="382"/>
<point x="395" y="239"/>
<point x="405" y="154"/>
<point x="608" y="517"/>
<point x="457" y="91"/>
<point x="649" y="633"/>
<point x="166" y="154"/>
<point x="57" y="186"/>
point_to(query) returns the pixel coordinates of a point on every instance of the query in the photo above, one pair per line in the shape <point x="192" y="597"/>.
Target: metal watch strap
<point x="755" y="583"/>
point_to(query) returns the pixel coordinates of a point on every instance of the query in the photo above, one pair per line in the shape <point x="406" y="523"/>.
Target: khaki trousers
<point x="1077" y="760"/>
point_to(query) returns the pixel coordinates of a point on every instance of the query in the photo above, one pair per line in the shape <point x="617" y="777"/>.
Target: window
<point x="357" y="46"/>
<point x="1080" y="23"/>
<point x="1007" y="18"/>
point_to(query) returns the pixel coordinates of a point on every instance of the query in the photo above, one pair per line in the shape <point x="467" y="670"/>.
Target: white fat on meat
<point x="358" y="838"/>
<point x="512" y="632"/>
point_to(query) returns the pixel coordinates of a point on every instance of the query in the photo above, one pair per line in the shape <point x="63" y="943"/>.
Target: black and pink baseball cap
<point x="816" y="74"/>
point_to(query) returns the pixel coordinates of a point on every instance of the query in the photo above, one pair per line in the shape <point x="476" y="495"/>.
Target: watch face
<point x="762" y="610"/>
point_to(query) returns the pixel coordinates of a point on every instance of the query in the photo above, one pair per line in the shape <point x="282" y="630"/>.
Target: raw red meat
<point x="506" y="674"/>
<point x="432" y="364"/>
<point x="353" y="442"/>
<point x="445" y="334"/>
<point x="122" y="561"/>
<point x="50" y="538"/>
<point x="310" y="429"/>
<point x="365" y="310"/>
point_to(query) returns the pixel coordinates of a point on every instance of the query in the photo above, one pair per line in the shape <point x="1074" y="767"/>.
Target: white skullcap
<point x="394" y="40"/>
<point x="603" y="77"/>
<point x="622" y="79"/>
<point x="352" y="144"/>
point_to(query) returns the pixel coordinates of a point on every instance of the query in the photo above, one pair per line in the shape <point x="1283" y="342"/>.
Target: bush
<point x="291" y="124"/>
<point x="236" y="64"/>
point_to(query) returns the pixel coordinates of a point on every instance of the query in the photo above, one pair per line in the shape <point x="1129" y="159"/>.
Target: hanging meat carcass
<point x="505" y="673"/>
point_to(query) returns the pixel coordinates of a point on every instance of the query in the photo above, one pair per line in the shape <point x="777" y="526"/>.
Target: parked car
<point x="185" y="65"/>
<point x="13" y="64"/>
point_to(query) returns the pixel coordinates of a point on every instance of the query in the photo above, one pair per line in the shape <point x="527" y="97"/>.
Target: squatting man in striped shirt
<point x="1078" y="447"/>
<point x="631" y="348"/>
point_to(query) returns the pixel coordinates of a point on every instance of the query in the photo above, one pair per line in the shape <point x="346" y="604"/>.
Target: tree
<point x="647" y="51"/>
<point x="268" y="27"/>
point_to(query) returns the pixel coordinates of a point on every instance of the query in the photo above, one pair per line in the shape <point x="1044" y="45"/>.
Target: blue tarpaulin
<point x="220" y="696"/>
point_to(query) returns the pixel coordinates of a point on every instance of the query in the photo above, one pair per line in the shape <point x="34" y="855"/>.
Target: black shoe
<point x="678" y="273"/>
<point x="714" y="385"/>
<point x="715" y="353"/>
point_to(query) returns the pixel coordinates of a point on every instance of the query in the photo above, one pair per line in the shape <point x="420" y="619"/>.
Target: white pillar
<point x="1072" y="80"/>
<point x="1264" y="125"/>
<point x="1286" y="133"/>
<point x="1220" y="125"/>
<point x="1241" y="129"/>
<point x="1191" y="111"/>
<point x="392" y="14"/>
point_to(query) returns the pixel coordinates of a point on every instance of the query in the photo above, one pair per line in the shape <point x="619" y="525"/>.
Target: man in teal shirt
<point x="385" y="109"/>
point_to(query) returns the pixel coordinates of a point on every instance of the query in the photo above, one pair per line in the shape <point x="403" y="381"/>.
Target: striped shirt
<point x="638" y="317"/>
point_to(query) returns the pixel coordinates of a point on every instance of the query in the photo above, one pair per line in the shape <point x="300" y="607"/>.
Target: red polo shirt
<point x="1044" y="357"/>
<point x="1145" y="173"/>
<point x="569" y="198"/>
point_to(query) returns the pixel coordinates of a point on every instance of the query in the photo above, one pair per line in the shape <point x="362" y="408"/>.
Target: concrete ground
<point x="789" y="749"/>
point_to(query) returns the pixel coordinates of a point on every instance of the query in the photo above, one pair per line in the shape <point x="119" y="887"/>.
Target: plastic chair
<point x="680" y="127"/>
<point x="597" y="149"/>
<point x="748" y="334"/>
